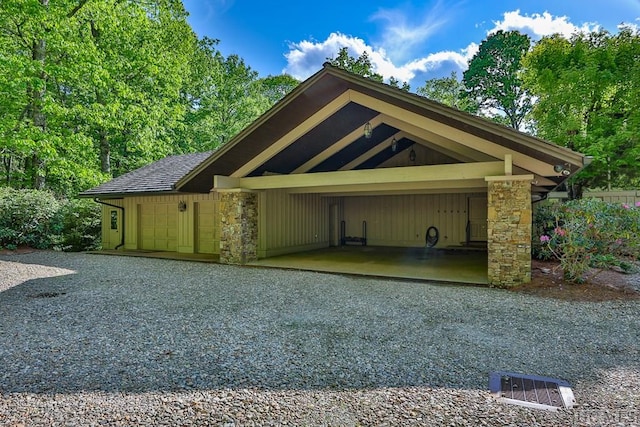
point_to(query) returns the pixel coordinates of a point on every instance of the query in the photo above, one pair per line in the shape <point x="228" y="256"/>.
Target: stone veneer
<point x="238" y="227"/>
<point x="509" y="230"/>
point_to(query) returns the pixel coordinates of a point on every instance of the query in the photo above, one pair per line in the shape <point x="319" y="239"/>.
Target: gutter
<point x="95" y="199"/>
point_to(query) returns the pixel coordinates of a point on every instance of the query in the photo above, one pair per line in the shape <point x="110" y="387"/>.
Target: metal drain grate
<point x="532" y="391"/>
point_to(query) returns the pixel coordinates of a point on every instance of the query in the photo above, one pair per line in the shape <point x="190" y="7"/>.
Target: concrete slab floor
<point x="443" y="265"/>
<point x="446" y="265"/>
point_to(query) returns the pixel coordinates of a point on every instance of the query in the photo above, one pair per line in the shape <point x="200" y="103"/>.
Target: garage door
<point x="207" y="240"/>
<point x="158" y="226"/>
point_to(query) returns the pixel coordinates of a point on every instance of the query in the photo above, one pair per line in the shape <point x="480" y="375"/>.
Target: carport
<point x="342" y="159"/>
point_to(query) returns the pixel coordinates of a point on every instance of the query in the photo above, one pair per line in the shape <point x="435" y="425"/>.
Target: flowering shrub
<point x="588" y="234"/>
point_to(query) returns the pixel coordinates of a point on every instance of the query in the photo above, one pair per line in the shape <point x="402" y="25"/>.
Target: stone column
<point x="238" y="227"/>
<point x="509" y="230"/>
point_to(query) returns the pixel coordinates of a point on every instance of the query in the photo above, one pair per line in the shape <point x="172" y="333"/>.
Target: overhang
<point x="318" y="129"/>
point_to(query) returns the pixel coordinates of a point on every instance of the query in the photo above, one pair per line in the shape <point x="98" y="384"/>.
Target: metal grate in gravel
<point x="532" y="391"/>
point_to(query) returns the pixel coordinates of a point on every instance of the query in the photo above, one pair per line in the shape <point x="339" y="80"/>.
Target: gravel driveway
<point x="109" y="340"/>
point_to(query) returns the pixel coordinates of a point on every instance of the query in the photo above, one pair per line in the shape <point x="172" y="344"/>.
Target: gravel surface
<point x="117" y="341"/>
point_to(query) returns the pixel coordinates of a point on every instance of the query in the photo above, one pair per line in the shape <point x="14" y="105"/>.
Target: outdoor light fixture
<point x="412" y="155"/>
<point x="182" y="206"/>
<point x="562" y="169"/>
<point x="367" y="130"/>
<point x="394" y="145"/>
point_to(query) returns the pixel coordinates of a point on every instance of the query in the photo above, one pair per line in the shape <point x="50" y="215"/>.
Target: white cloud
<point x="539" y="25"/>
<point x="401" y="34"/>
<point x="390" y="59"/>
<point x="306" y="57"/>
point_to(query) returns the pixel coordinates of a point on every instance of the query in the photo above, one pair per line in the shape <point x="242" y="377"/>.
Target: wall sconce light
<point x="394" y="145"/>
<point x="182" y="206"/>
<point x="368" y="131"/>
<point x="412" y="155"/>
<point x="562" y="169"/>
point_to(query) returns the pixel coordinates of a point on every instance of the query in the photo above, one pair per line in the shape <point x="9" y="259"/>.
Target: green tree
<point x="222" y="95"/>
<point x="127" y="97"/>
<point x="588" y="90"/>
<point x="363" y="67"/>
<point x="86" y="82"/>
<point x="493" y="79"/>
<point x="274" y="88"/>
<point x="449" y="91"/>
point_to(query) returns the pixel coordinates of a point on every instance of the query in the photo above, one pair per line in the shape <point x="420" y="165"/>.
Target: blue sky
<point x="412" y="41"/>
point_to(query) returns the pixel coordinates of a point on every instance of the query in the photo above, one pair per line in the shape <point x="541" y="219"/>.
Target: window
<point x="114" y="220"/>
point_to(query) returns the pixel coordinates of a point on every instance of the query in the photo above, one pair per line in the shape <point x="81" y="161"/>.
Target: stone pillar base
<point x="509" y="231"/>
<point x="238" y="227"/>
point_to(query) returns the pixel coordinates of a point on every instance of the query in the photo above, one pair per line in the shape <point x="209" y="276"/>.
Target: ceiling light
<point x="394" y="145"/>
<point x="368" y="131"/>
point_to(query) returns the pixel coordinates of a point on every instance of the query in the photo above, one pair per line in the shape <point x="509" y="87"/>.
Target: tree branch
<point x="77" y="8"/>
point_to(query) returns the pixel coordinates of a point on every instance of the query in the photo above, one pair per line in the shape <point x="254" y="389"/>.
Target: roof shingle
<point x="157" y="177"/>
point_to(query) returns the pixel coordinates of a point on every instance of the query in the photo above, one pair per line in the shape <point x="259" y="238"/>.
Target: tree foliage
<point x="588" y="90"/>
<point x="493" y="79"/>
<point x="91" y="90"/>
<point x="449" y="91"/>
<point x="362" y="66"/>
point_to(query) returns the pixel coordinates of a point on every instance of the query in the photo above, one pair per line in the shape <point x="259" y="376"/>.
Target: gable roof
<point x="318" y="127"/>
<point x="157" y="177"/>
<point x="301" y="132"/>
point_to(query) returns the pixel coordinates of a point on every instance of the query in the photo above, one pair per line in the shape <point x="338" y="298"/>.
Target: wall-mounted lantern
<point x="562" y="169"/>
<point x="182" y="206"/>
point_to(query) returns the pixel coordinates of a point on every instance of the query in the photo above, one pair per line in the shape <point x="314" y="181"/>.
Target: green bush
<point x="26" y="216"/>
<point x="77" y="225"/>
<point x="38" y="219"/>
<point x="587" y="234"/>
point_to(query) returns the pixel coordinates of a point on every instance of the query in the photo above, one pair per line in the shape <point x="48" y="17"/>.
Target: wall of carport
<point x="402" y="220"/>
<point x="291" y="223"/>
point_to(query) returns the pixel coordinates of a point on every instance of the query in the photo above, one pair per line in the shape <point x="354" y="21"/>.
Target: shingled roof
<point x="157" y="177"/>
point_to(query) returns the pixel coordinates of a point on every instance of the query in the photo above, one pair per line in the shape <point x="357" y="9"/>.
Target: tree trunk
<point x="574" y="191"/>
<point x="105" y="153"/>
<point x="7" y="161"/>
<point x="39" y="120"/>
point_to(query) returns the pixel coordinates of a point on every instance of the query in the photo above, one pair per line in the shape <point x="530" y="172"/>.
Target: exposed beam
<point x="379" y="192"/>
<point x="451" y="186"/>
<point x="294" y="134"/>
<point x="337" y="146"/>
<point x="373" y="151"/>
<point x="440" y="143"/>
<point x="414" y="174"/>
<point x="461" y="137"/>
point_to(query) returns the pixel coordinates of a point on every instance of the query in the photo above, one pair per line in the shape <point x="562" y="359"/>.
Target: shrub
<point x="37" y="219"/>
<point x="25" y="217"/>
<point x="587" y="234"/>
<point x="77" y="225"/>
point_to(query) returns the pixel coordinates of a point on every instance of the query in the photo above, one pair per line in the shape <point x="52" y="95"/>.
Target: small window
<point x="114" y="220"/>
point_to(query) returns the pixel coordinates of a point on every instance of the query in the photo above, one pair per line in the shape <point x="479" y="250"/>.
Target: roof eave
<point x="121" y="194"/>
<point x="286" y="100"/>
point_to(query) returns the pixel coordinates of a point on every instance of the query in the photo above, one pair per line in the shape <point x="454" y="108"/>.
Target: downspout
<point x="95" y="199"/>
